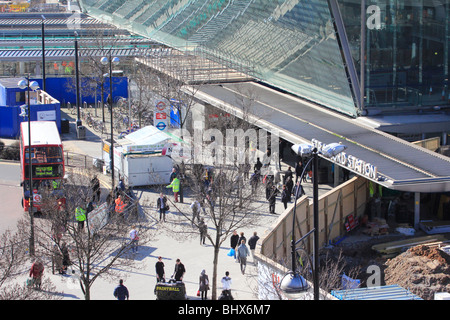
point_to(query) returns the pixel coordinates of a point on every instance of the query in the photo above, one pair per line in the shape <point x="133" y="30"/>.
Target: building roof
<point x="400" y="164"/>
<point x="60" y="54"/>
<point x="392" y="292"/>
<point x="42" y="133"/>
<point x="10" y="82"/>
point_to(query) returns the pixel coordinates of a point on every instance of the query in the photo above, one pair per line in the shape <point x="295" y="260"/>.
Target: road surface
<point x="10" y="195"/>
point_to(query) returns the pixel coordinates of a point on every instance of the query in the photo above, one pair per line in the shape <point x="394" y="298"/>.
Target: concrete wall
<point x="334" y="206"/>
<point x="270" y="275"/>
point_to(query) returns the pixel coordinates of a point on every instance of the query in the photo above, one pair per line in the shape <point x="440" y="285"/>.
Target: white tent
<point x="147" y="139"/>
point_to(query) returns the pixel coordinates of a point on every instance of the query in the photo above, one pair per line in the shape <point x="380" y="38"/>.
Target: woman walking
<point x="203" y="285"/>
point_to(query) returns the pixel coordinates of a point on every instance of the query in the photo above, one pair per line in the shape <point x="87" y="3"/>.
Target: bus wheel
<point x="22" y="202"/>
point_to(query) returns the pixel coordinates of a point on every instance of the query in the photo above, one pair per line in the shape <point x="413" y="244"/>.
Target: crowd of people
<point x="238" y="243"/>
<point x="290" y="189"/>
<point x="118" y="202"/>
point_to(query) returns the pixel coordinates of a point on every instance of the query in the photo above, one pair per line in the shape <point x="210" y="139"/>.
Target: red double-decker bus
<point x="47" y="163"/>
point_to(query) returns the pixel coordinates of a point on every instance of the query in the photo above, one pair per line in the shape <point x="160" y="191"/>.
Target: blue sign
<point x="161" y="125"/>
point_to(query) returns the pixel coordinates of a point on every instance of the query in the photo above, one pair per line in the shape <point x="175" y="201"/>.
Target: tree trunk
<point x="215" y="262"/>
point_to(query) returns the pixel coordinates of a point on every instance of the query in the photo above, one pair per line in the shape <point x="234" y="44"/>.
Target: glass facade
<point x="296" y="45"/>
<point x="406" y="51"/>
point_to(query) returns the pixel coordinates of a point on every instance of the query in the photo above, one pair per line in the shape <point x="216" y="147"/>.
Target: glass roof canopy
<point x="310" y="48"/>
<point x="291" y="45"/>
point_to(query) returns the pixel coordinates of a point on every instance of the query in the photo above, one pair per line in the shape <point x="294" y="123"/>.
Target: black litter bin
<point x="65" y="128"/>
<point x="170" y="291"/>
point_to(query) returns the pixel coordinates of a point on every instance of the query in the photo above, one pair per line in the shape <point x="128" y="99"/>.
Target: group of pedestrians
<point x="238" y="245"/>
<point x="290" y="189"/>
<point x="177" y="274"/>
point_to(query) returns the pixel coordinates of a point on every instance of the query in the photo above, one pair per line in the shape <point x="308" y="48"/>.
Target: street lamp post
<point x="108" y="60"/>
<point x="77" y="79"/>
<point x="293" y="283"/>
<point x="43" y="53"/>
<point x="33" y="86"/>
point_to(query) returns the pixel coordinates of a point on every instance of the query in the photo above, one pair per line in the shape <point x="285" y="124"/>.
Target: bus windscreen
<point x="50" y="154"/>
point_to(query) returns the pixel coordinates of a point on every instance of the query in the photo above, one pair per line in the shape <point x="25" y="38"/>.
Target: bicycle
<point x="98" y="125"/>
<point x="72" y="108"/>
<point x="87" y="117"/>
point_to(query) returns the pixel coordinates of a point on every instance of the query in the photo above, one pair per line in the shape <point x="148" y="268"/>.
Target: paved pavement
<point x="165" y="243"/>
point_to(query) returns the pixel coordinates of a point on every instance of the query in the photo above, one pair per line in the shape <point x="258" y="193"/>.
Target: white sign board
<point x="160" y="117"/>
<point x="49" y="115"/>
<point x="97" y="218"/>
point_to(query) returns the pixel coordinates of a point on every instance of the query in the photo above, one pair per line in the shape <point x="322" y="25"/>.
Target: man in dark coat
<point x="234" y="239"/>
<point x="272" y="199"/>
<point x="121" y="292"/>
<point x="298" y="170"/>
<point x="159" y="268"/>
<point x="285" y="196"/>
<point x="161" y="204"/>
<point x="179" y="271"/>
<point x="252" y="244"/>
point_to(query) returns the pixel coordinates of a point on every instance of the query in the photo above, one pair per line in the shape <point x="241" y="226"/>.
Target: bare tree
<point x="219" y="180"/>
<point x="95" y="250"/>
<point x="15" y="262"/>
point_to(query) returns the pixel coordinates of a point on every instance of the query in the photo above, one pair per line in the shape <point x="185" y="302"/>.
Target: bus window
<point x="51" y="154"/>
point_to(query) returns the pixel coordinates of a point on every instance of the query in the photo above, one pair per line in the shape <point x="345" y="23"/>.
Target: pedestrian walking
<point x="121" y="292"/>
<point x="96" y="191"/>
<point x="234" y="240"/>
<point x="226" y="287"/>
<point x="300" y="192"/>
<point x="289" y="186"/>
<point x="195" y="207"/>
<point x="203" y="228"/>
<point x="36" y="273"/>
<point x="288" y="173"/>
<point x="272" y="199"/>
<point x="175" y="185"/>
<point x="109" y="102"/>
<point x="269" y="182"/>
<point x="298" y="171"/>
<point x="173" y="174"/>
<point x="257" y="167"/>
<point x="159" y="268"/>
<point x="285" y="196"/>
<point x="121" y="186"/>
<point x="80" y="216"/>
<point x="252" y="244"/>
<point x="161" y="204"/>
<point x="65" y="258"/>
<point x="254" y="180"/>
<point x="243" y="253"/>
<point x="134" y="239"/>
<point x="179" y="271"/>
<point x="203" y="285"/>
<point x="241" y="237"/>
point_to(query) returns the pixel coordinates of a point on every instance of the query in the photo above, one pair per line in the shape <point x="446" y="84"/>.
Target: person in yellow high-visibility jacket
<point x="175" y="185"/>
<point x="80" y="216"/>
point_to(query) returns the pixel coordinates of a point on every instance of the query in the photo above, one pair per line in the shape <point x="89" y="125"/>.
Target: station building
<point x="371" y="74"/>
